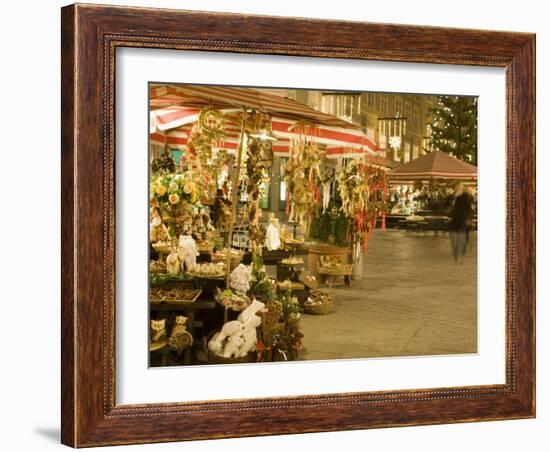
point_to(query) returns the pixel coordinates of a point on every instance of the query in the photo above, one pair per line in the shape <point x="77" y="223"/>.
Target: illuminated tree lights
<point x="454" y="127"/>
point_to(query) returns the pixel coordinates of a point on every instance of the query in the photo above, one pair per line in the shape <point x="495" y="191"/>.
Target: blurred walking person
<point x="461" y="219"/>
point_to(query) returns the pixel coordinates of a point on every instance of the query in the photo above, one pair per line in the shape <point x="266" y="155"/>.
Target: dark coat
<point x="461" y="213"/>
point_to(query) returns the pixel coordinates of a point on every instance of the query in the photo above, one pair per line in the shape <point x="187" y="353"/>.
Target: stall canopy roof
<point x="435" y="165"/>
<point x="162" y="96"/>
<point x="175" y="108"/>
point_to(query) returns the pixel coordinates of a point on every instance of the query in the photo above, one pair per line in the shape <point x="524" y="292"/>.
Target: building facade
<point x="382" y="116"/>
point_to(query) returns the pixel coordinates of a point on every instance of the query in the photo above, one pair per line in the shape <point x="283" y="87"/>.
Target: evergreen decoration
<point x="291" y="307"/>
<point x="454" y="127"/>
<point x="331" y="227"/>
<point x="261" y="287"/>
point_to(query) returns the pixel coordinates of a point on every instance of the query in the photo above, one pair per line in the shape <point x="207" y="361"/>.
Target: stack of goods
<point x="205" y="246"/>
<point x="173" y="295"/>
<point x="158" y="279"/>
<point x="235" y="256"/>
<point x="331" y="265"/>
<point x="289" y="241"/>
<point x="318" y="303"/>
<point x="414" y="217"/>
<point x="162" y="247"/>
<point x="208" y="271"/>
<point x="157" y="267"/>
<point x="292" y="261"/>
<point x="232" y="300"/>
<point x="310" y="281"/>
<point x="290" y="268"/>
<point x="290" y="285"/>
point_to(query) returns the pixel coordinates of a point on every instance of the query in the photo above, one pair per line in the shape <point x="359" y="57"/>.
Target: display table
<point x="414" y="225"/>
<point x="316" y="250"/>
<point x="190" y="310"/>
<point x="329" y="274"/>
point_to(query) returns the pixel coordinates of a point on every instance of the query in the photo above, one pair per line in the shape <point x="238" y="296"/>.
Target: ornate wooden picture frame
<point x="90" y="37"/>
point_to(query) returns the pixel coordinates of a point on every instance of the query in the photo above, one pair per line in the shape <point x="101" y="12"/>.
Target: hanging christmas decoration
<point x="363" y="189"/>
<point x="302" y="175"/>
<point x="259" y="126"/>
<point x="211" y="124"/>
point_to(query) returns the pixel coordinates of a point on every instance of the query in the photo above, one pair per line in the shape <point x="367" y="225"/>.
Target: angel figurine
<point x="187" y="251"/>
<point x="173" y="263"/>
<point x="240" y="278"/>
<point x="273" y="234"/>
<point x="158" y="231"/>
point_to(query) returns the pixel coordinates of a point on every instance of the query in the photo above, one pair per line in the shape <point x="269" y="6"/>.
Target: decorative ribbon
<point x="261" y="348"/>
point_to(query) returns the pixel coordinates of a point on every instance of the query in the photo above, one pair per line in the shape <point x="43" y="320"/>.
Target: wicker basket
<point x="216" y="359"/>
<point x="320" y="309"/>
<point x="326" y="307"/>
<point x="345" y="270"/>
<point x="235" y="260"/>
<point x="162" y="247"/>
<point x="205" y="247"/>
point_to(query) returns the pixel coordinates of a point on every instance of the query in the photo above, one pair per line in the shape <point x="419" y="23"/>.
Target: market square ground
<point x="413" y="299"/>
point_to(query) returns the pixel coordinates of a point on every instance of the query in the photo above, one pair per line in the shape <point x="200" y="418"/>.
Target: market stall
<point x="212" y="151"/>
<point x="421" y="191"/>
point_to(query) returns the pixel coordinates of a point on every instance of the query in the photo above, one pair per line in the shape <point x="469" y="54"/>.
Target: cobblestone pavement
<point x="413" y="299"/>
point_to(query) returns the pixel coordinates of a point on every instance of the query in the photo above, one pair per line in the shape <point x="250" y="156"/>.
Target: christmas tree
<point x="260" y="285"/>
<point x="454" y="127"/>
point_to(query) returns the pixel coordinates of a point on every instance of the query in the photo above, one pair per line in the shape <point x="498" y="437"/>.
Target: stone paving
<point x="413" y="299"/>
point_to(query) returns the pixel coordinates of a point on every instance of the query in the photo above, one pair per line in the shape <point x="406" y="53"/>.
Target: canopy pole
<point x="234" y="192"/>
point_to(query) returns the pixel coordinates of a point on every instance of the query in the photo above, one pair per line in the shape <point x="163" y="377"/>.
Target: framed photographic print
<point x="282" y="225"/>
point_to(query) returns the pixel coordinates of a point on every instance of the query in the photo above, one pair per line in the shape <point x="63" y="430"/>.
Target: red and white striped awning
<point x="175" y="138"/>
<point x="178" y="107"/>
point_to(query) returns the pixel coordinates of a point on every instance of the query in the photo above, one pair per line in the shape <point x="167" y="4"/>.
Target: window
<point x="342" y="105"/>
<point x="415" y="151"/>
<point x="370" y="100"/>
<point x="347" y="106"/>
<point x="382" y="141"/>
<point x="398" y="107"/>
<point x="383" y="103"/>
<point x="415" y="119"/>
<point x="407" y="152"/>
<point x="408" y="111"/>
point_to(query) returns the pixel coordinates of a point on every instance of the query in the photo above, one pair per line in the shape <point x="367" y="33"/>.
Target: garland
<point x="258" y="165"/>
<point x="261" y="287"/>
<point x="302" y="175"/>
<point x="331" y="226"/>
<point x="363" y="190"/>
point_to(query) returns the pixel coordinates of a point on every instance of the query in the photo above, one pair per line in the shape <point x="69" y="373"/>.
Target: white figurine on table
<point x="273" y="233"/>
